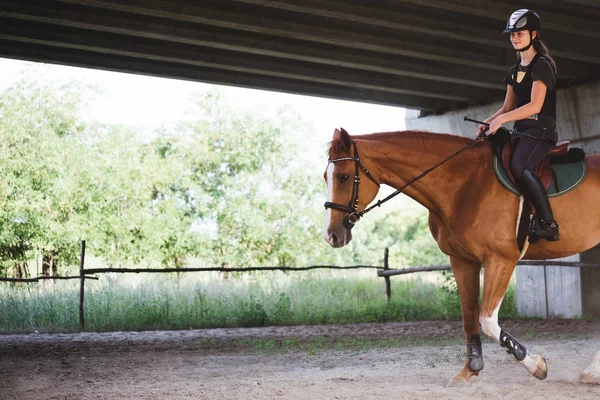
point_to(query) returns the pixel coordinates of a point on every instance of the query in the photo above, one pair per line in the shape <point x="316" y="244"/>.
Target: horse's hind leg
<point x="496" y="279"/>
<point x="466" y="274"/>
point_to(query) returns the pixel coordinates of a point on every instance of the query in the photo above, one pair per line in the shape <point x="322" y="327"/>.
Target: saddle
<point x="568" y="162"/>
<point x="560" y="155"/>
<point x="544" y="169"/>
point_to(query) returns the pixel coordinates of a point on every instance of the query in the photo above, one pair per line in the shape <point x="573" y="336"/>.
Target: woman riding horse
<point x="531" y="102"/>
<point x="472" y="217"/>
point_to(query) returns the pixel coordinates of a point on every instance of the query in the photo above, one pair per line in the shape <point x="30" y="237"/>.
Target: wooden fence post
<point x="82" y="285"/>
<point x="388" y="287"/>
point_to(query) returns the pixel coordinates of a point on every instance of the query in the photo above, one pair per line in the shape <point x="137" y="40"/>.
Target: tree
<point x="250" y="201"/>
<point x="37" y="123"/>
<point x="232" y="187"/>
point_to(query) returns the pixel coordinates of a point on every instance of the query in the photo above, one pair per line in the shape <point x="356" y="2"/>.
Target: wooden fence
<point x="386" y="272"/>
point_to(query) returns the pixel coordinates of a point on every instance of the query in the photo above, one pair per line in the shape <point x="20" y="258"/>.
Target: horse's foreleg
<point x="466" y="274"/>
<point x="496" y="279"/>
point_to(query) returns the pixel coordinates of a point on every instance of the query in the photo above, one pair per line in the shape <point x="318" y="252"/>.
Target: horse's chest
<point x="447" y="239"/>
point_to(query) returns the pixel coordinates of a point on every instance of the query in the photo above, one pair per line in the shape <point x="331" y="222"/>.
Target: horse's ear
<point x="344" y="137"/>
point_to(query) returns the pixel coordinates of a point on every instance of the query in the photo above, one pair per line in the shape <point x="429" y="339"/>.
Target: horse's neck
<point x="399" y="158"/>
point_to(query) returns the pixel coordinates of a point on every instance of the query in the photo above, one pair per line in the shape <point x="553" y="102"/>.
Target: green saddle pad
<point x="569" y="176"/>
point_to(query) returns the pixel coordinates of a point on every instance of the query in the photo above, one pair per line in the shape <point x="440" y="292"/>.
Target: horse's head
<point x="350" y="188"/>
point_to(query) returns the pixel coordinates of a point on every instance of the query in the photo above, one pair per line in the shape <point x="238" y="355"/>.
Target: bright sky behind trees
<point x="149" y="102"/>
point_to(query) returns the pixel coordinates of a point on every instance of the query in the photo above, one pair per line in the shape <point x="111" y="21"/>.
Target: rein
<point x="352" y="209"/>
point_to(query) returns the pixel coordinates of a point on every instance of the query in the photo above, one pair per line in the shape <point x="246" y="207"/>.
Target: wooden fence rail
<point x="386" y="272"/>
<point x="221" y="269"/>
<point x="42" y="278"/>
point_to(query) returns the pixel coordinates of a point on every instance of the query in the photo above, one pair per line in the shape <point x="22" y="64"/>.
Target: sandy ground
<point x="220" y="364"/>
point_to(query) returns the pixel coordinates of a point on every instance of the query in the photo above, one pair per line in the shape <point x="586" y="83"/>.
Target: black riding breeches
<point x="530" y="152"/>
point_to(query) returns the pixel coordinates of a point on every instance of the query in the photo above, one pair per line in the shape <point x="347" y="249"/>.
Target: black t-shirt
<point x="542" y="71"/>
<point x="521" y="78"/>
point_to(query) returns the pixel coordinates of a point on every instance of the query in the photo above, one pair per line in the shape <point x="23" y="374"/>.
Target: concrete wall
<point x="577" y="109"/>
<point x="590" y="283"/>
<point x="545" y="291"/>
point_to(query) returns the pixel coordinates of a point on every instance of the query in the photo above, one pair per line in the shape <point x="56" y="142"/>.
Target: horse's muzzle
<point x="340" y="238"/>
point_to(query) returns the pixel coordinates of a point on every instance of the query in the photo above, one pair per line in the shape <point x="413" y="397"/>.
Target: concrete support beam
<point x="591" y="4"/>
<point x="420" y="53"/>
<point x="283" y="24"/>
<point x="248" y="19"/>
<point x="182" y="53"/>
<point x="501" y="11"/>
<point x="251" y="45"/>
<point x="455" y="27"/>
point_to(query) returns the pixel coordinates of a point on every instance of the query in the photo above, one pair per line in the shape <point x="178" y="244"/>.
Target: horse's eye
<point x="344" y="178"/>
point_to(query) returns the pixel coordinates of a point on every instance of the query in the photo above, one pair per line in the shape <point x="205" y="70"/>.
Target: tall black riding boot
<point x="546" y="227"/>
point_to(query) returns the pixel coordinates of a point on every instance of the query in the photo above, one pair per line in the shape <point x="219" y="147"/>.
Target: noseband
<point x="352" y="207"/>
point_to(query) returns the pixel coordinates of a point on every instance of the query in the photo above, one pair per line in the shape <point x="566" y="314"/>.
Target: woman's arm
<point x="538" y="94"/>
<point x="510" y="102"/>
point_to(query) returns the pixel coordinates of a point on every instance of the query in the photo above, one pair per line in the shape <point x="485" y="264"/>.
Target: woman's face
<point x="521" y="39"/>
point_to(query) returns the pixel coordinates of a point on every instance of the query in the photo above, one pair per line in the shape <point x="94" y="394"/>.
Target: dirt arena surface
<point x="411" y="360"/>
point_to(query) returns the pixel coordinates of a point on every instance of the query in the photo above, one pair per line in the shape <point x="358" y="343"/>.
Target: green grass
<point x="321" y="344"/>
<point x="261" y="299"/>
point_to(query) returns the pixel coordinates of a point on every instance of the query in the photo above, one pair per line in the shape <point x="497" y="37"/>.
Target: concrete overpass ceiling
<point x="431" y="55"/>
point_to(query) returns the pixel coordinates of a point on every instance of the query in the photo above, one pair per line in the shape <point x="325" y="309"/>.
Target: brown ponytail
<point x="542" y="48"/>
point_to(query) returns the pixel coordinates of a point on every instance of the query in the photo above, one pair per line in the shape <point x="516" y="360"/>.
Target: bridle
<point x="352" y="207"/>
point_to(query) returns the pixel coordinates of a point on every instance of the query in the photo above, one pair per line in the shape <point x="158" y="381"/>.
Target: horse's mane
<point x="337" y="146"/>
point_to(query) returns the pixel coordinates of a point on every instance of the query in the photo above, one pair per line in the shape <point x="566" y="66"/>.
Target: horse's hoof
<point x="541" y="370"/>
<point x="589" y="378"/>
<point x="592" y="373"/>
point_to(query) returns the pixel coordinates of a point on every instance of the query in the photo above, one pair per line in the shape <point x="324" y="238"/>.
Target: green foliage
<point x="38" y="132"/>
<point x="508" y="309"/>
<point x="230" y="187"/>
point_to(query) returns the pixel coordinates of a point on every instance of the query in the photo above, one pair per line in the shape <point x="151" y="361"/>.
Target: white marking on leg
<point x="530" y="362"/>
<point x="489" y="325"/>
<point x="328" y="211"/>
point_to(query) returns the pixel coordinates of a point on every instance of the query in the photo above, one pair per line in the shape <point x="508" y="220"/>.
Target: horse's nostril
<point x="333" y="238"/>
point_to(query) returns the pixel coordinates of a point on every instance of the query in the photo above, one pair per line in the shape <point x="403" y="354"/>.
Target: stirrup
<point x="551" y="230"/>
<point x="541" y="229"/>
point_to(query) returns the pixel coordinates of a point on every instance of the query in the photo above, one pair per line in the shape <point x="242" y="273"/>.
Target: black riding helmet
<point x="524" y="19"/>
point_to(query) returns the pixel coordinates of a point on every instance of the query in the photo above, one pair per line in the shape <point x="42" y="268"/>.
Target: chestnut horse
<point x="472" y="217"/>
